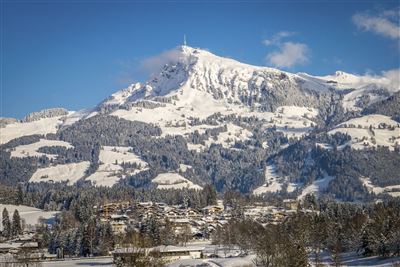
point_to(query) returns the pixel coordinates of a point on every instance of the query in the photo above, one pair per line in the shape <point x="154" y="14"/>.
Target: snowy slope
<point x="173" y="181"/>
<point x="30" y="215"/>
<point x="364" y="89"/>
<point x="110" y="170"/>
<point x="70" y="173"/>
<point x="316" y="187"/>
<point x="273" y="183"/>
<point x="31" y="150"/>
<point x="380" y="190"/>
<point x="371" y="131"/>
<point x="18" y="129"/>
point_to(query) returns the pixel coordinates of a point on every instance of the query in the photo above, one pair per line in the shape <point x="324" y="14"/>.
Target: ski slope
<point x="272" y="184"/>
<point x="316" y="187"/>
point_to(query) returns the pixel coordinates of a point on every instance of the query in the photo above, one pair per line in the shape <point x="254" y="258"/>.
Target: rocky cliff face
<point x="46" y="113"/>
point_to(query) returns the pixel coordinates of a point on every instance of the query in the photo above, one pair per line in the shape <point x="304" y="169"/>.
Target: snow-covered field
<point x="173" y="181"/>
<point x="316" y="187"/>
<point x="18" y="129"/>
<point x="348" y="259"/>
<point x="30" y="215"/>
<point x="81" y="262"/>
<point x="227" y="139"/>
<point x="71" y="173"/>
<point x="363" y="137"/>
<point x="110" y="171"/>
<point x="378" y="189"/>
<point x="272" y="182"/>
<point x="31" y="150"/>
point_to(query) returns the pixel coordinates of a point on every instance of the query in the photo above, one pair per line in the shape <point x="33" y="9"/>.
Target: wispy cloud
<point x="154" y="64"/>
<point x="277" y="38"/>
<point x="132" y="69"/>
<point x="289" y="55"/>
<point x="385" y="23"/>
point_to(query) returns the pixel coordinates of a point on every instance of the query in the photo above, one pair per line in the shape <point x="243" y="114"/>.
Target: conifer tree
<point x="16" y="228"/>
<point x="6" y="224"/>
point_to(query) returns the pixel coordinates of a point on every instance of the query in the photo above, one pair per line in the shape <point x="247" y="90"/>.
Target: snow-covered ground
<point x="18" y="129"/>
<point x="362" y="85"/>
<point x="172" y="180"/>
<point x="30" y="215"/>
<point x="316" y="187"/>
<point x="31" y="150"/>
<point x="227" y="139"/>
<point x="110" y="170"/>
<point x="184" y="167"/>
<point x="348" y="259"/>
<point x="71" y="173"/>
<point x="352" y="259"/>
<point x="363" y="137"/>
<point x="324" y="146"/>
<point x="272" y="184"/>
<point x="81" y="262"/>
<point x="378" y="189"/>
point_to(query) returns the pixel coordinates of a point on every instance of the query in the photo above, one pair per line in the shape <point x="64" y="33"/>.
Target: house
<point x="118" y="227"/>
<point x="213" y="210"/>
<point x="290" y="204"/>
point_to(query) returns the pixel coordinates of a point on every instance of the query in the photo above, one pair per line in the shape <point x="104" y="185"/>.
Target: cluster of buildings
<point x="200" y="222"/>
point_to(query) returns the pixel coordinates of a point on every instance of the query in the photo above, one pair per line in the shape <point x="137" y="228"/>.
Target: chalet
<point x="213" y="210"/>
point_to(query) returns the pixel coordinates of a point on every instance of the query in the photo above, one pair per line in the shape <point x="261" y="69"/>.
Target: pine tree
<point x="16" y="228"/>
<point x="20" y="195"/>
<point x="209" y="195"/>
<point x="6" y="224"/>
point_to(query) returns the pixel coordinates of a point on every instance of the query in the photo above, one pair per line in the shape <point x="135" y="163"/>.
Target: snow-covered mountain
<point x="209" y="101"/>
<point x="195" y="72"/>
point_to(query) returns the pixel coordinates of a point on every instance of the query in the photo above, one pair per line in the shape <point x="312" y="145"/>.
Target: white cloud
<point x="290" y="54"/>
<point x="386" y="23"/>
<point x="390" y="79"/>
<point x="152" y="65"/>
<point x="393" y="77"/>
<point x="277" y="38"/>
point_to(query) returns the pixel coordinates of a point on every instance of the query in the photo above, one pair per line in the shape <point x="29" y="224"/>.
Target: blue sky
<point x="75" y="54"/>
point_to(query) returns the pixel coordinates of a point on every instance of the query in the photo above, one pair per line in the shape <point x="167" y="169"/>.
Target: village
<point x="195" y="229"/>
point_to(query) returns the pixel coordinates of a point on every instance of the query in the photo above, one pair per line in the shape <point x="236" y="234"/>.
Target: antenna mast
<point x="184" y="39"/>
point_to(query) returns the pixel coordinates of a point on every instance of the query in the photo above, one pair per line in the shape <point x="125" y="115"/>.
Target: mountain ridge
<point x="227" y="122"/>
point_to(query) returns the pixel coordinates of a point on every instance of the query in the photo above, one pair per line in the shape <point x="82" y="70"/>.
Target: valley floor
<point x="348" y="259"/>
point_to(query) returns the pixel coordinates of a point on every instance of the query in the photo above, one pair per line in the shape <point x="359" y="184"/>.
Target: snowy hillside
<point x="110" y="170"/>
<point x="31" y="150"/>
<point x="30" y="215"/>
<point x="70" y="173"/>
<point x="18" y="129"/>
<point x="371" y="131"/>
<point x="173" y="181"/>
